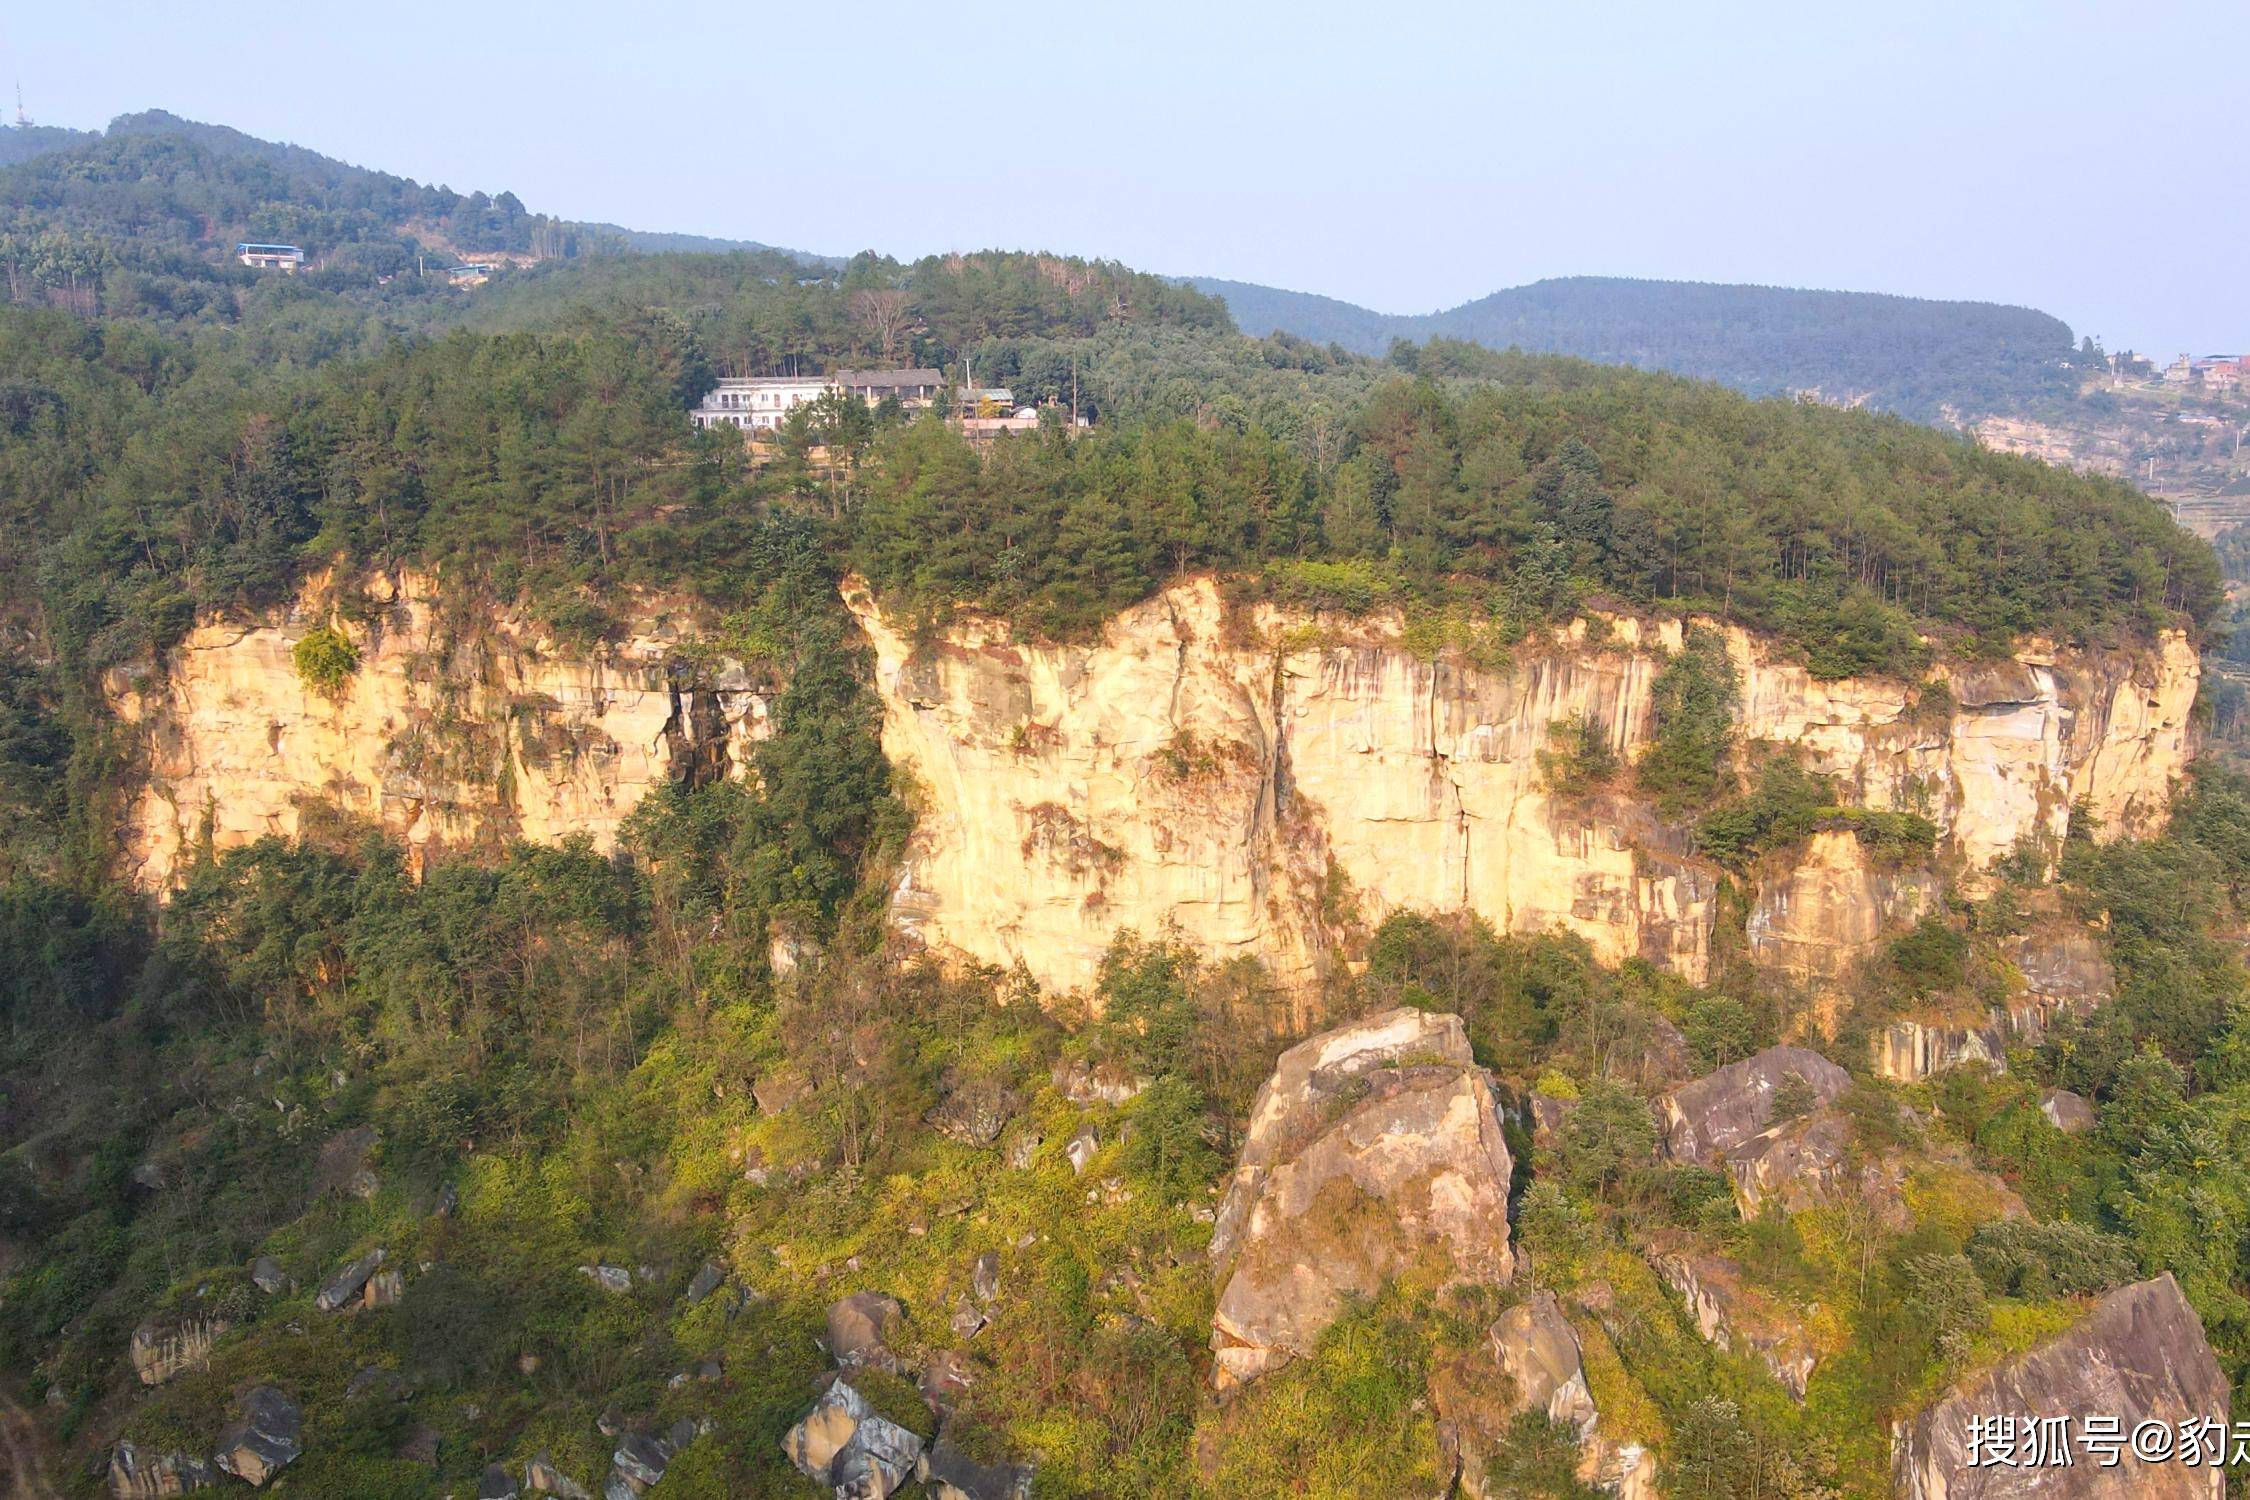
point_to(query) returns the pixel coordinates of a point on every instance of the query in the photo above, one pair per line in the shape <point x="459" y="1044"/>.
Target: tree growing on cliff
<point x="1692" y="718"/>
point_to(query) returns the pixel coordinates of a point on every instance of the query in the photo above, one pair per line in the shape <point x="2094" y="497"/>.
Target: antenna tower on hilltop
<point x="23" y="121"/>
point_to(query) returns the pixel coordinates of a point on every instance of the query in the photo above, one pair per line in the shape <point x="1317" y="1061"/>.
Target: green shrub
<point x="2036" y="1261"/>
<point x="325" y="660"/>
<point x="1537" y="1459"/>
<point x="1790" y="805"/>
<point x="1580" y="760"/>
<point x="1931" y="957"/>
<point x="1353" y="585"/>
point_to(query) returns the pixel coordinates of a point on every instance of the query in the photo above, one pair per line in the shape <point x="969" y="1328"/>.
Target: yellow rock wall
<point x="1256" y="781"/>
<point x="444" y="737"/>
<point x="1247" y="780"/>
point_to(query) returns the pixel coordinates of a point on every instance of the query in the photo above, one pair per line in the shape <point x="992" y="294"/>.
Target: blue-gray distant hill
<point x="23" y="142"/>
<point x="1911" y="355"/>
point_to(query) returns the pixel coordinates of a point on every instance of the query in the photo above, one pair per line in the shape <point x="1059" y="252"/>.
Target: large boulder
<point x="264" y="1439"/>
<point x="1806" y="1163"/>
<point x="2139" y="1357"/>
<point x="949" y="1474"/>
<point x="1533" y="1345"/>
<point x="349" y="1281"/>
<point x="165" y="1348"/>
<point x="1734" y="1315"/>
<point x="845" y="1444"/>
<point x="1373" y="1147"/>
<point x="860" y="1328"/>
<point x="1706" y="1119"/>
<point x="1534" y="1351"/>
<point x="138" y="1474"/>
<point x="2066" y="1111"/>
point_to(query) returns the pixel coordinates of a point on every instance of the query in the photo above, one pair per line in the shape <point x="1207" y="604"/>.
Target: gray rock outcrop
<point x="845" y="1444"/>
<point x="350" y="1280"/>
<point x="2139" y="1356"/>
<point x="163" y="1349"/>
<point x="1084" y="1083"/>
<point x="708" y="1279"/>
<point x="1734" y="1316"/>
<point x="949" y="1474"/>
<point x="1706" y="1119"/>
<point x="1529" y="1362"/>
<point x="542" y="1477"/>
<point x="1081" y="1147"/>
<point x="860" y="1328"/>
<point x="1808" y="1163"/>
<point x="268" y="1277"/>
<point x="264" y="1439"/>
<point x="137" y="1474"/>
<point x="1371" y="1147"/>
<point x="641" y="1458"/>
<point x="1533" y="1345"/>
<point x="2064" y="973"/>
<point x="2066" y="1111"/>
<point x="1909" y="1051"/>
<point x="615" y="1280"/>
<point x="974" y="1113"/>
<point x="343" y="1165"/>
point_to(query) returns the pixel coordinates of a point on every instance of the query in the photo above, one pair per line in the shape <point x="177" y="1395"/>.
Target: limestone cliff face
<point x="450" y="733"/>
<point x="1255" y="779"/>
<point x="1260" y="781"/>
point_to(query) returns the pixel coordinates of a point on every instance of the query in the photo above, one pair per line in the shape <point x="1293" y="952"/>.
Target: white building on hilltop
<point x="760" y="403"/>
<point x="269" y="257"/>
<point x="756" y="402"/>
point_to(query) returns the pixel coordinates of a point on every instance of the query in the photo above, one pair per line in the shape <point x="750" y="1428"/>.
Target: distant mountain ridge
<point x="157" y="178"/>
<point x="168" y="197"/>
<point x="1919" y="357"/>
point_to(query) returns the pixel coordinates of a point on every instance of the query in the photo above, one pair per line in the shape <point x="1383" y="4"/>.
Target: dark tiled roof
<point x="887" y="377"/>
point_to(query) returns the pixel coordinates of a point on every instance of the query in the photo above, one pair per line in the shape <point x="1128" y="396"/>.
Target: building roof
<point x="755" y="382"/>
<point x="247" y="248"/>
<point x="879" y="378"/>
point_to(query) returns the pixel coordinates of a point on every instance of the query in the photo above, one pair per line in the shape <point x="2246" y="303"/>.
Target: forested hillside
<point x="24" y="142"/>
<point x="567" y="1159"/>
<point x="1923" y="359"/>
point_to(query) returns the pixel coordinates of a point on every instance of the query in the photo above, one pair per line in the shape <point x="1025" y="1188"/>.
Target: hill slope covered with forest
<point x="1905" y="354"/>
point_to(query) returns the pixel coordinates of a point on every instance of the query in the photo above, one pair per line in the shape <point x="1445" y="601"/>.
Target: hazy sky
<point x="2085" y="158"/>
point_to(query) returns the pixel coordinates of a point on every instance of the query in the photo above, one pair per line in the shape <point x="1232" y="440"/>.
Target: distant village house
<point x="2224" y="371"/>
<point x="270" y="257"/>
